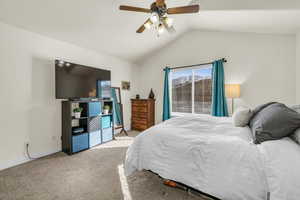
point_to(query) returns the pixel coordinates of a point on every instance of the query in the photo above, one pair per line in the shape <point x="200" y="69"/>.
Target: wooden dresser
<point x="142" y="114"/>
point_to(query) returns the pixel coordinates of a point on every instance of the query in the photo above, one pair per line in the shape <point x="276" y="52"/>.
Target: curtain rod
<point x="223" y="59"/>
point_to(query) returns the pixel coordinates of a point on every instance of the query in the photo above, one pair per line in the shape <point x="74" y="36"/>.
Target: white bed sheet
<point x="204" y="152"/>
<point x="282" y="168"/>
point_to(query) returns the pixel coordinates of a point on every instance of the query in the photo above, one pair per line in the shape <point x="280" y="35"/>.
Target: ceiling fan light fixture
<point x="161" y="29"/>
<point x="148" y="24"/>
<point x="159" y="20"/>
<point x="154" y="17"/>
<point x="169" y="21"/>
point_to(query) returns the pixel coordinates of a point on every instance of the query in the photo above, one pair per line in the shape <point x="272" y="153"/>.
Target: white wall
<point x="298" y="68"/>
<point x="29" y="110"/>
<point x="263" y="64"/>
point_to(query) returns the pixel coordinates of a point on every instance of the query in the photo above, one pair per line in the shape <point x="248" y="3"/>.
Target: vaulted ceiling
<point x="100" y="26"/>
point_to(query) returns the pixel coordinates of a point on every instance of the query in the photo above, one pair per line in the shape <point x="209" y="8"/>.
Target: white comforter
<point x="282" y="166"/>
<point x="211" y="155"/>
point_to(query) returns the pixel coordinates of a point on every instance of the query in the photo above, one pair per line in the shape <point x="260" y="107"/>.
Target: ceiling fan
<point x="159" y="18"/>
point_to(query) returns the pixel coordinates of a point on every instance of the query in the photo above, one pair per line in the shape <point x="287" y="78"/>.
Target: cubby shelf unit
<point x="96" y="127"/>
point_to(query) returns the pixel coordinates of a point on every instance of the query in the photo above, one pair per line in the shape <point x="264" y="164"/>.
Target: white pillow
<point x="296" y="108"/>
<point x="242" y="116"/>
<point x="296" y="136"/>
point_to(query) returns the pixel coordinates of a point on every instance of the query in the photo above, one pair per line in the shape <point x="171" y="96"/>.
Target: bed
<point x="209" y="154"/>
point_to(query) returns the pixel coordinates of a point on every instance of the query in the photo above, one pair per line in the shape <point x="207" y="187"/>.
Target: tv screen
<point x="77" y="81"/>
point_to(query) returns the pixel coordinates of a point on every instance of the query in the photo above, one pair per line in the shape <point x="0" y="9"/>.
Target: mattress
<point x="211" y="155"/>
<point x="204" y="152"/>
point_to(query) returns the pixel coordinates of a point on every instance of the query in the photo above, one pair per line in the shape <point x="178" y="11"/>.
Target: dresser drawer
<point x="139" y="121"/>
<point x="139" y="109"/>
<point x="140" y="103"/>
<point x="139" y="115"/>
<point x="139" y="127"/>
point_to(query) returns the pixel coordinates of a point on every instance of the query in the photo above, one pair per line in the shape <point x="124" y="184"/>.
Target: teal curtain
<point x="219" y="103"/>
<point x="166" y="105"/>
<point x="117" y="109"/>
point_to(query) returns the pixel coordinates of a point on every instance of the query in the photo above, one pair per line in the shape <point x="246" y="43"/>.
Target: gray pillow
<point x="261" y="107"/>
<point x="273" y="121"/>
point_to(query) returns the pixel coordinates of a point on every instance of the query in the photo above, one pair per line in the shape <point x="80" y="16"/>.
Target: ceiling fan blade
<point x="142" y="28"/>
<point x="160" y="3"/>
<point x="184" y="9"/>
<point x="135" y="9"/>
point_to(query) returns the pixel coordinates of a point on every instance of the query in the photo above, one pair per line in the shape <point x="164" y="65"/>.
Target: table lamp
<point x="233" y="91"/>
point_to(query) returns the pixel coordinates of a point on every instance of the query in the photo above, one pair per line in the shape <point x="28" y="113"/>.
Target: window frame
<point x="193" y="89"/>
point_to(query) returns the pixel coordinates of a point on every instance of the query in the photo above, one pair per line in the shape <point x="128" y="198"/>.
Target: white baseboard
<point x="17" y="162"/>
<point x="41" y="155"/>
<point x="13" y="163"/>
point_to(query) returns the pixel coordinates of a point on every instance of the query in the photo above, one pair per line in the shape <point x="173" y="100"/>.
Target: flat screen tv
<point x="74" y="81"/>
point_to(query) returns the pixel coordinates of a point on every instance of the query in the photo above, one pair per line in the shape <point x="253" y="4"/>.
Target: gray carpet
<point x="89" y="175"/>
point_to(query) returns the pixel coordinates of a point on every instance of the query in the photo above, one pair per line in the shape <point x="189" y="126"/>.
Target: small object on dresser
<point x="151" y="94"/>
<point x="77" y="112"/>
<point x="137" y="96"/>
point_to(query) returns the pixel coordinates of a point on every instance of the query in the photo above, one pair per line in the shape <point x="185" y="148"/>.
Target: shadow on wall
<point x="45" y="113"/>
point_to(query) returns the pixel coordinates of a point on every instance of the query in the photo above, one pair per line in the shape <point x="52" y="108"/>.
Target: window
<point x="191" y="90"/>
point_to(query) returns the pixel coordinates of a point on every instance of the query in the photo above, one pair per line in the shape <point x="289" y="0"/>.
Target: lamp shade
<point x="233" y="90"/>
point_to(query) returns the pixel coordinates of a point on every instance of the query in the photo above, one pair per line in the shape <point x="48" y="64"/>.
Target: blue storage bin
<point x="95" y="138"/>
<point x="80" y="142"/>
<point x="107" y="134"/>
<point x="106" y="122"/>
<point x="94" y="124"/>
<point x="94" y="109"/>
